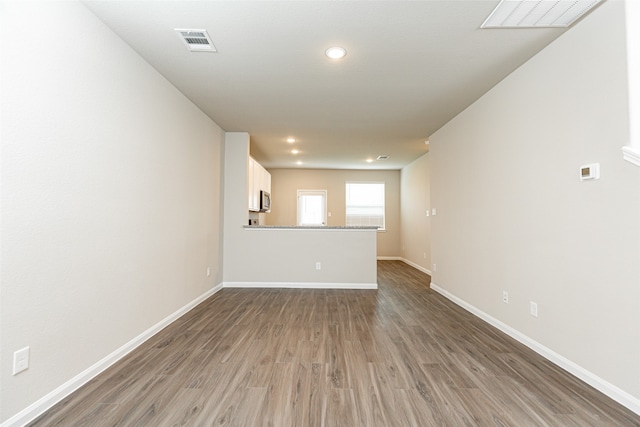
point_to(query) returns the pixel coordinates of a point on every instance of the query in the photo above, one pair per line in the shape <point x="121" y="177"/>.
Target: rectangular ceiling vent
<point x="197" y="40"/>
<point x="382" y="157"/>
<point x="538" y="13"/>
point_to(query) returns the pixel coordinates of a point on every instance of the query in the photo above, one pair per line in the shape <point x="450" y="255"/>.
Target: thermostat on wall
<point x="591" y="171"/>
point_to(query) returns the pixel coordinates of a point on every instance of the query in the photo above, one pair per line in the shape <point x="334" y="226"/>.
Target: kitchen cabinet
<point x="257" y="179"/>
<point x="253" y="184"/>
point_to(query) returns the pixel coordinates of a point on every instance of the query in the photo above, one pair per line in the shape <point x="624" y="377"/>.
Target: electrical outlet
<point x="435" y="267"/>
<point x="533" y="309"/>
<point x="505" y="297"/>
<point x="318" y="265"/>
<point x="424" y="255"/>
<point x="208" y="271"/>
<point x="20" y="360"/>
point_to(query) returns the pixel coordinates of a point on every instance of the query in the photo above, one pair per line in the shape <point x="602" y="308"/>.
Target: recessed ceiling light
<point x="294" y="151"/>
<point x="299" y="162"/>
<point x="369" y="160"/>
<point x="291" y="140"/>
<point x="427" y="142"/>
<point x="336" y="52"/>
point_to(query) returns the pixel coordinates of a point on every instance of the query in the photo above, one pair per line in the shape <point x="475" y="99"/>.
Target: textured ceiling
<point x="411" y="66"/>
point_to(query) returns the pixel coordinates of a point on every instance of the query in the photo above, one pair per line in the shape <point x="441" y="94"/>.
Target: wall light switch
<point x="427" y="212"/>
<point x="533" y="309"/>
<point x="433" y="211"/>
<point x="20" y="360"/>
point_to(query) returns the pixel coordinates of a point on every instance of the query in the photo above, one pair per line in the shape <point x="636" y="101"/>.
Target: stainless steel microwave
<point x="265" y="201"/>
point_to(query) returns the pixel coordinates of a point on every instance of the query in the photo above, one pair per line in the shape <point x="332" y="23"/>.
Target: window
<point x="312" y="210"/>
<point x="365" y="204"/>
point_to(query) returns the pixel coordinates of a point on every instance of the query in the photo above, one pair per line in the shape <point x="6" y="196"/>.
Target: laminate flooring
<point x="401" y="355"/>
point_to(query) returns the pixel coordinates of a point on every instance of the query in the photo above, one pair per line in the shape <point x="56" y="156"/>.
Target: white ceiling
<point x="411" y="66"/>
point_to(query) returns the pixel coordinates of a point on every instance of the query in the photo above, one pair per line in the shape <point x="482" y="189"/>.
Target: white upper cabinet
<point x="251" y="187"/>
<point x="258" y="179"/>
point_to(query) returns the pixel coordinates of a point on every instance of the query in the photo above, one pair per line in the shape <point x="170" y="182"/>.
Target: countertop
<point x="304" y="227"/>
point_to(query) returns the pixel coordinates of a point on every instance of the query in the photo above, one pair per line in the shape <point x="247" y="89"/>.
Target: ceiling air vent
<point x="197" y="40"/>
<point x="382" y="157"/>
<point x="538" y="13"/>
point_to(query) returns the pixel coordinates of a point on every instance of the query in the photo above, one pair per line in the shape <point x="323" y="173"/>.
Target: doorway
<point x="312" y="208"/>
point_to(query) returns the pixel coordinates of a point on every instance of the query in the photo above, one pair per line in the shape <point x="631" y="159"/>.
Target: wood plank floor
<point x="399" y="356"/>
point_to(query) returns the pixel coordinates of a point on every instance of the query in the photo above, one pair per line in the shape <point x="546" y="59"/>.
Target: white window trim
<point x="631" y="152"/>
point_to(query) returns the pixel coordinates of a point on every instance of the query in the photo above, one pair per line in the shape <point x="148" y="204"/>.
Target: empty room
<point x="320" y="213"/>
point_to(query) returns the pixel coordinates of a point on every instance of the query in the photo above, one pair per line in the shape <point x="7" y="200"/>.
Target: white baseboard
<point x="389" y="258"/>
<point x="416" y="266"/>
<point x="300" y="285"/>
<point x="615" y="393"/>
<point x="39" y="407"/>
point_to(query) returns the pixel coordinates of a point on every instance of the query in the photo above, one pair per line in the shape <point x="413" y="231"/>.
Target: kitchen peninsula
<point x="312" y="257"/>
<point x="327" y="257"/>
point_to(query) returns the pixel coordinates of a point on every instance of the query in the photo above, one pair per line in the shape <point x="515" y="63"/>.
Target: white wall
<point x="236" y="206"/>
<point x="513" y="215"/>
<point x="110" y="196"/>
<point x="415" y="201"/>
